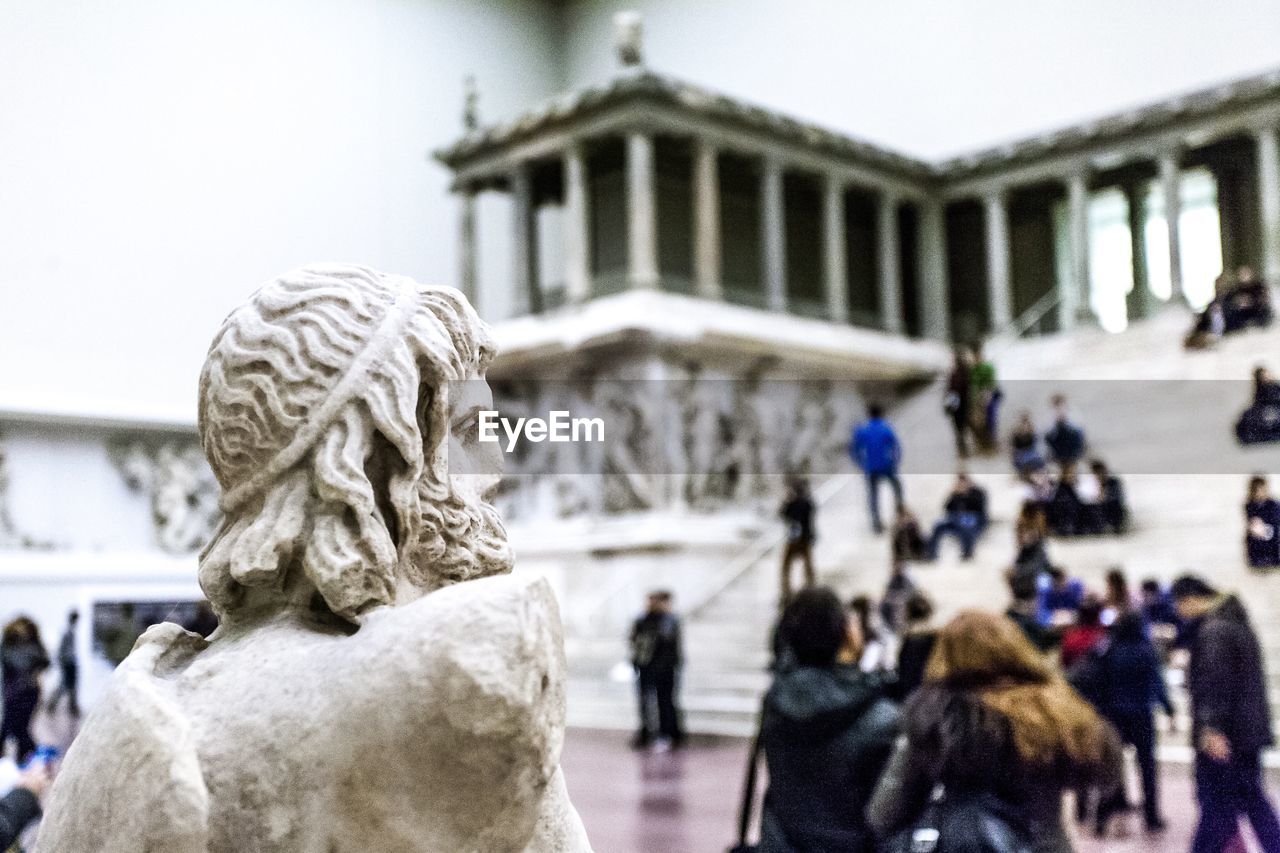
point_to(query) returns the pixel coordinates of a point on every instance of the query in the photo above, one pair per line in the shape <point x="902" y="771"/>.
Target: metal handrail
<point x="1024" y="322"/>
<point x="758" y="550"/>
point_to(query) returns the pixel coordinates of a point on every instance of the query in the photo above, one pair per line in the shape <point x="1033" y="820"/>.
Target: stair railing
<point x="1029" y="319"/>
<point x="758" y="550"/>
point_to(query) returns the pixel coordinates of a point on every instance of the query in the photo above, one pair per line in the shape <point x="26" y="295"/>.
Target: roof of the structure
<point x="663" y="89"/>
<point x="1150" y="117"/>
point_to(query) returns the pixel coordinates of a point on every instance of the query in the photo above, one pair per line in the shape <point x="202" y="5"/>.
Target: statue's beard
<point x="459" y="540"/>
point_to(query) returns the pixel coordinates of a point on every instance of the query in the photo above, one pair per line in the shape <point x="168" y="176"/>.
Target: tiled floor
<point x="687" y="802"/>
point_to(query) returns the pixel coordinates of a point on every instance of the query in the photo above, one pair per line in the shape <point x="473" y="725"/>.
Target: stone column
<point x="642" y="222"/>
<point x="1269" y="198"/>
<point x="577" y="240"/>
<point x="1171" y="184"/>
<point x="934" y="289"/>
<point x="890" y="264"/>
<point x="1139" y="302"/>
<point x="524" y="244"/>
<point x="468" y="279"/>
<point x="773" y="235"/>
<point x="999" y="280"/>
<point x="706" y="218"/>
<point x="1074" y="290"/>
<point x="835" y="250"/>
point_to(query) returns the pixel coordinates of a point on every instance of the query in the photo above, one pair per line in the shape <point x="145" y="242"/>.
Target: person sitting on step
<point x="1114" y="511"/>
<point x="1063" y="510"/>
<point x="1261" y="421"/>
<point x="1024" y="445"/>
<point x="1247" y="302"/>
<point x="908" y="540"/>
<point x="1262" y="526"/>
<point x="964" y="516"/>
<point x="1065" y="440"/>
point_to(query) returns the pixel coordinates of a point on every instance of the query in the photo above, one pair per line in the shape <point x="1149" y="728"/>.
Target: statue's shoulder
<point x="131" y="780"/>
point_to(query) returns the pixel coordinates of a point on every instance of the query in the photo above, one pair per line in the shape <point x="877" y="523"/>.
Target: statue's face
<point x="462" y="536"/>
<point x="475" y="467"/>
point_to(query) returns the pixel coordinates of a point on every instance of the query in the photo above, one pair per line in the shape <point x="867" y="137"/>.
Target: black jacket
<point x="655" y="643"/>
<point x="1130" y="679"/>
<point x="21" y="663"/>
<point x="17" y="809"/>
<point x="1066" y="442"/>
<point x="827" y="733"/>
<point x="798" y="513"/>
<point x="1226" y="678"/>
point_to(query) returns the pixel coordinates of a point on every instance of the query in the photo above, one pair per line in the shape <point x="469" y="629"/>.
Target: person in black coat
<point x="1128" y="681"/>
<point x="1064" y="439"/>
<point x="917" y="644"/>
<point x="958" y="400"/>
<point x="1231" y="717"/>
<point x="1247" y="302"/>
<point x="1113" y="507"/>
<point x="827" y="731"/>
<point x="797" y="513"/>
<point x="964" y="515"/>
<point x="656" y="655"/>
<point x="1065" y="507"/>
<point x="1262" y="526"/>
<point x="1261" y="421"/>
<point x="22" y="660"/>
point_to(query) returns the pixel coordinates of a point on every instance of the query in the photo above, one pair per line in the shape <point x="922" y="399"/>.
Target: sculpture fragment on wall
<point x="179" y="486"/>
<point x="706" y="444"/>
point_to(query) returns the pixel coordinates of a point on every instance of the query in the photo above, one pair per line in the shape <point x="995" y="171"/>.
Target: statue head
<point x="336" y="414"/>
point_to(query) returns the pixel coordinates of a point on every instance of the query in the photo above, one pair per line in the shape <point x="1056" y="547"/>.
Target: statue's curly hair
<point x="322" y="373"/>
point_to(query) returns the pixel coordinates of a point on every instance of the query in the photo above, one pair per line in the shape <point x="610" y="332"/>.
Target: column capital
<point x="1170" y="152"/>
<point x="1265" y="129"/>
<point x="998" y="192"/>
<point x="1077" y="174"/>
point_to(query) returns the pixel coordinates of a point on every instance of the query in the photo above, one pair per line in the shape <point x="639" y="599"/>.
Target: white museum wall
<point x="937" y="79"/>
<point x="160" y="160"/>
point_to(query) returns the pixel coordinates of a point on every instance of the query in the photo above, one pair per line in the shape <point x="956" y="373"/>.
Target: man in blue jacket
<point x="875" y="449"/>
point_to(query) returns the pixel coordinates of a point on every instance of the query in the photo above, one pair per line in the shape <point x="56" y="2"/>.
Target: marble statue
<point x="378" y="680"/>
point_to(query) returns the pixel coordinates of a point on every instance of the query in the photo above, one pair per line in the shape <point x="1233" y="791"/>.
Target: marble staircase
<point x="1160" y="416"/>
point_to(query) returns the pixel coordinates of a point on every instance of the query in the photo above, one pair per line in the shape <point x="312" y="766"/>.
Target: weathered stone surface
<point x="356" y="696"/>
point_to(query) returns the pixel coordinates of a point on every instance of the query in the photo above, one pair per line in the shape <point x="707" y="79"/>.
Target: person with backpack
<point x="826" y="730"/>
<point x="656" y="655"/>
<point x="1001" y="736"/>
<point x="1126" y="681"/>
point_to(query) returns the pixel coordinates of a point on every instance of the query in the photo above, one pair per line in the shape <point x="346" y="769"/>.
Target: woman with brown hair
<point x="22" y="659"/>
<point x="994" y="723"/>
